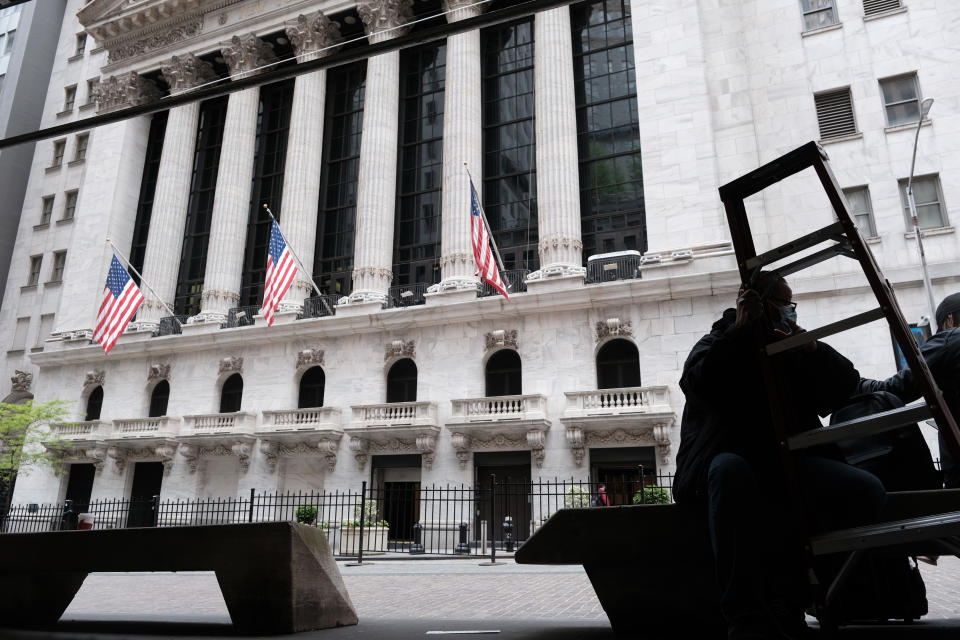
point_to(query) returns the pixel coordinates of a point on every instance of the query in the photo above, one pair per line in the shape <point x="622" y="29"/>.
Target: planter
<point x="374" y="539"/>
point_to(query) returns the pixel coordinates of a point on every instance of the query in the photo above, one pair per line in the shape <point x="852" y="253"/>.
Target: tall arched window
<point x="311" y="388"/>
<point x="231" y="394"/>
<point x="503" y="374"/>
<point x="94" y="404"/>
<point x="402" y="381"/>
<point x="159" y="399"/>
<point x="618" y="365"/>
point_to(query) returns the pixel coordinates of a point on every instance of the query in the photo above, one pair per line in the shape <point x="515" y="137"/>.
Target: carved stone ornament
<point x="119" y="456"/>
<point x="155" y="41"/>
<point x="94" y="379"/>
<point x="21" y="381"/>
<point x="621" y="437"/>
<point x="192" y="455"/>
<point x="536" y="440"/>
<point x="501" y="338"/>
<point x="187" y="71"/>
<point x="384" y="19"/>
<point x="158" y="372"/>
<point x="310" y="358"/>
<point x="427" y="445"/>
<point x="399" y="349"/>
<point x="461" y="442"/>
<point x="96" y="455"/>
<point x="270" y="451"/>
<point x="576" y="442"/>
<point x="231" y="364"/>
<point x="462" y="9"/>
<point x="612" y="327"/>
<point x="313" y="34"/>
<point x="661" y="434"/>
<point x="125" y="90"/>
<point x="243" y="450"/>
<point x="359" y="448"/>
<point x="246" y="53"/>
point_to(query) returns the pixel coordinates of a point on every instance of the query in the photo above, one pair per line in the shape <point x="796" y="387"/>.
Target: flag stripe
<point x="281" y="270"/>
<point x="482" y="254"/>
<point x="121" y="299"/>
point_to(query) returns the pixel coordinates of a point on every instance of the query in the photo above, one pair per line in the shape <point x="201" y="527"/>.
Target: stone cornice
<point x="144" y="20"/>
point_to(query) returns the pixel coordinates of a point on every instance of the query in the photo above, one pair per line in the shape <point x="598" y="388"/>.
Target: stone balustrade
<point x="614" y="402"/>
<point x="87" y="430"/>
<point x="395" y="414"/>
<point x="317" y="418"/>
<point x="238" y="423"/>
<point x="524" y="407"/>
<point x="162" y="427"/>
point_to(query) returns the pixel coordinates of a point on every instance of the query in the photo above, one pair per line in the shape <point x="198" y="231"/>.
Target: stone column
<point x="161" y="263"/>
<point x="558" y="183"/>
<point x="377" y="180"/>
<point x="231" y="206"/>
<point x="301" y="184"/>
<point x="462" y="142"/>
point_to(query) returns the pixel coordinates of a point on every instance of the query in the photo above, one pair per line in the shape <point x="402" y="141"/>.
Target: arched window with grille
<point x="94" y="404"/>
<point x="402" y="381"/>
<point x="159" y="398"/>
<point x="618" y="365"/>
<point x="311" y="388"/>
<point x="503" y="374"/>
<point x="231" y="394"/>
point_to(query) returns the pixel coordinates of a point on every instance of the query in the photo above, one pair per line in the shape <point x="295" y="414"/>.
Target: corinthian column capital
<point x="125" y="90"/>
<point x="247" y="52"/>
<point x="312" y="32"/>
<point x="186" y="71"/>
<point x="379" y="16"/>
<point x="462" y="9"/>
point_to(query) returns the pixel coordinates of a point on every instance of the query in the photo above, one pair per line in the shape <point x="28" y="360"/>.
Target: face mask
<point x="787" y="315"/>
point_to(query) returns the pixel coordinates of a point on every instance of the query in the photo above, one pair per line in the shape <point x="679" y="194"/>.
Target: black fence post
<point x="155" y="507"/>
<point x="252" y="493"/>
<point x="463" y="546"/>
<point x="417" y="546"/>
<point x="643" y="494"/>
<point x="363" y="513"/>
<point x="67" y="521"/>
<point x="493" y="527"/>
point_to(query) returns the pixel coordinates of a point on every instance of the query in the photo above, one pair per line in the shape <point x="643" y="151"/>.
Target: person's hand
<point x="749" y="307"/>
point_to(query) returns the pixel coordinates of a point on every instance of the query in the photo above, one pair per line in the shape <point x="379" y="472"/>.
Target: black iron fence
<point x="515" y="281"/>
<point x="402" y="517"/>
<point x="407" y="295"/>
<point x="320" y="306"/>
<point x="171" y="325"/>
<point x="242" y="316"/>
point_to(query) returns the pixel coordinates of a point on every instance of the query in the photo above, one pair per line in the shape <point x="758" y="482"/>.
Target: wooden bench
<point x="276" y="577"/>
<point x="652" y="566"/>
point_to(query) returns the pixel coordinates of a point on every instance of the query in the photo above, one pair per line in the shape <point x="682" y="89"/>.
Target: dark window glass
<point x="273" y="124"/>
<point x="311" y="388"/>
<point x="503" y="374"/>
<point x="231" y="394"/>
<point x="612" y="211"/>
<point x="148" y="186"/>
<point x="618" y="365"/>
<point x="509" y="148"/>
<point x="203" y="185"/>
<point x="94" y="404"/>
<point x="402" y="381"/>
<point x="336" y="217"/>
<point x="416" y="252"/>
<point x="159" y="399"/>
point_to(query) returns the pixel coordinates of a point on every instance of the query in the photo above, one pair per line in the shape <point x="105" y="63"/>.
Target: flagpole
<point x="297" y="258"/>
<point x="496" y="252"/>
<point x="143" y="282"/>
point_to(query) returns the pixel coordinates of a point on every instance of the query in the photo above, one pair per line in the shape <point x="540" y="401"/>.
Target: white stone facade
<point x="722" y="88"/>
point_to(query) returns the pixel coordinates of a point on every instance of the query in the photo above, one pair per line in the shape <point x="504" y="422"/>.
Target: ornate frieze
<point x="231" y="364"/>
<point x="309" y="358"/>
<point x="94" y="378"/>
<point x="21" y="381"/>
<point x="501" y="338"/>
<point x="125" y="90"/>
<point x="313" y="33"/>
<point x="385" y="19"/>
<point x="613" y="327"/>
<point x="246" y="53"/>
<point x="399" y="349"/>
<point x="621" y="437"/>
<point x="274" y="450"/>
<point x="152" y="42"/>
<point x="186" y="71"/>
<point x="158" y="372"/>
<point x="163" y="453"/>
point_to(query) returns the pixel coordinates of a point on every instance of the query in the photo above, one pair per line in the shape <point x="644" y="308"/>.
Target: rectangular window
<point x="59" y="148"/>
<point x="46" y="328"/>
<point x="35" y="263"/>
<point x="80" y="151"/>
<point x="46" y="212"/>
<point x="59" y="261"/>
<point x="69" y="97"/>
<point x="10" y="39"/>
<point x="148" y="187"/>
<point x="81" y="44"/>
<point x="901" y="99"/>
<point x="835" y="113"/>
<point x="928" y="198"/>
<point x="70" y="206"/>
<point x="873" y="7"/>
<point x="818" y="14"/>
<point x="92" y="90"/>
<point x="20" y="334"/>
<point x="858" y="199"/>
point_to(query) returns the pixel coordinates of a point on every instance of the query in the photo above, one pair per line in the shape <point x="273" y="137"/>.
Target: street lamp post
<point x="924" y="109"/>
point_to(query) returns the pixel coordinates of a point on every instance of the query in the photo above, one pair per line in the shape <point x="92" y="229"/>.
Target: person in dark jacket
<point x="942" y="354"/>
<point x="729" y="460"/>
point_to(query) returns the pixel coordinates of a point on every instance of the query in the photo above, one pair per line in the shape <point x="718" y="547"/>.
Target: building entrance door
<point x="80" y="486"/>
<point x="622" y="482"/>
<point x="619" y="469"/>
<point x="147" y="478"/>
<point x="401" y="508"/>
<point x="511" y="498"/>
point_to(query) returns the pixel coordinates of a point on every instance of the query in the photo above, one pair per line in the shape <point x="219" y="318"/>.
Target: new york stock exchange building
<point x="596" y="133"/>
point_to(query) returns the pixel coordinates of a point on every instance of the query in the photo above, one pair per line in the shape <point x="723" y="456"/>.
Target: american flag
<point x="486" y="265"/>
<point x="121" y="298"/>
<point x="281" y="269"/>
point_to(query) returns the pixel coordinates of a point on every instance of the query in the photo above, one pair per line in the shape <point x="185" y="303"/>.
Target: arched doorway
<point x="311" y="388"/>
<point x="618" y="365"/>
<point x="503" y="374"/>
<point x="231" y="394"/>
<point x="159" y="398"/>
<point x="94" y="404"/>
<point x="402" y="381"/>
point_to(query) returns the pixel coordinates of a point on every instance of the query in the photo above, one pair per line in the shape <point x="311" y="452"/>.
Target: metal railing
<point x="514" y="279"/>
<point x="401" y="517"/>
<point x="171" y="325"/>
<point x="407" y="295"/>
<point x="608" y="268"/>
<point x="319" y="306"/>
<point x="242" y="316"/>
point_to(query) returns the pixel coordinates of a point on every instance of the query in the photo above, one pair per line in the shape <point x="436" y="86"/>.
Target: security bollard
<point x="508" y="533"/>
<point x="417" y="546"/>
<point x="462" y="546"/>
